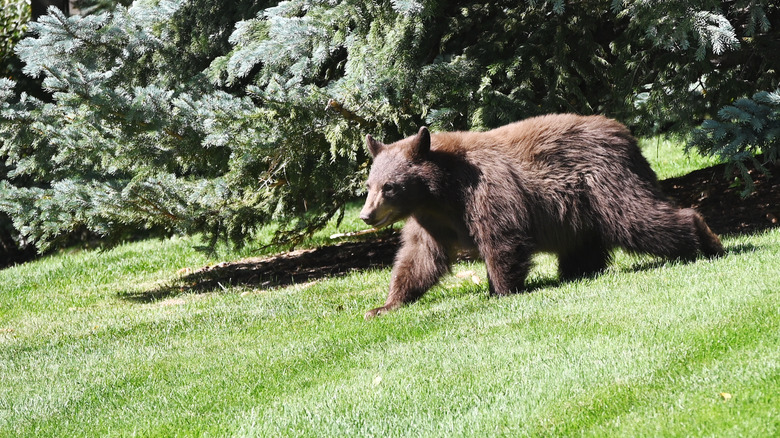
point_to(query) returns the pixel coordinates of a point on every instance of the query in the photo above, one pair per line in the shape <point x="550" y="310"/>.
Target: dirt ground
<point x="718" y="198"/>
<point x="710" y="191"/>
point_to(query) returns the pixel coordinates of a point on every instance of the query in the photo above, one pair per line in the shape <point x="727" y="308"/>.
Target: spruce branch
<point x="334" y="105"/>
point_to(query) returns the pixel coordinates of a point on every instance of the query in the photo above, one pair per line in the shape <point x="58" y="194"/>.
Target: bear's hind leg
<point x="709" y="243"/>
<point x="586" y="260"/>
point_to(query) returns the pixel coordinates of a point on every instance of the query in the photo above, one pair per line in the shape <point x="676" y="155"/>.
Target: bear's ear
<point x="422" y="143"/>
<point x="374" y="147"/>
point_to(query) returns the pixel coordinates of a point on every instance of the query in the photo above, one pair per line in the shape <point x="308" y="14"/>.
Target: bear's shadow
<point x="295" y="267"/>
<point x="656" y="263"/>
<point x="329" y="261"/>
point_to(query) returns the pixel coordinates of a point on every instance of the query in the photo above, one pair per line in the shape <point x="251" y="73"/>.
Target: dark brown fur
<point x="571" y="185"/>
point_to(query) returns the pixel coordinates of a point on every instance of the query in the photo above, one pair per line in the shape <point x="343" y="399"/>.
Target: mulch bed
<point x="716" y="196"/>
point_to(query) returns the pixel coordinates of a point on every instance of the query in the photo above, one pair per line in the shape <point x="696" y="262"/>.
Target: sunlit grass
<point x="649" y="345"/>
<point x="669" y="158"/>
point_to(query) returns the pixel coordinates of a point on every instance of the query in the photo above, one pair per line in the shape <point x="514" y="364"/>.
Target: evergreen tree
<point x="13" y="21"/>
<point x="124" y="144"/>
<point x="741" y="132"/>
<point x="201" y="116"/>
<point x="14" y="15"/>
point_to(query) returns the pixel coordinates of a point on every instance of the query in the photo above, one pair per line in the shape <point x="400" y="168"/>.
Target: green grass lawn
<point x="668" y="158"/>
<point x="650" y="348"/>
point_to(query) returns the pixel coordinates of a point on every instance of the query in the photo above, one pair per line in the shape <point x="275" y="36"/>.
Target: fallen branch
<point x="354" y="233"/>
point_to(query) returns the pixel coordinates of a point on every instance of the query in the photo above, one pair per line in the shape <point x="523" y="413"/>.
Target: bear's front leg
<point x="419" y="264"/>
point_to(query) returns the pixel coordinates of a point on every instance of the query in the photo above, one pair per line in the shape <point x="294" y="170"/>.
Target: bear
<point x="574" y="186"/>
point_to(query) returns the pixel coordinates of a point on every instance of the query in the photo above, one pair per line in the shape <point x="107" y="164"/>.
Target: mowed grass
<point x="669" y="159"/>
<point x="650" y="348"/>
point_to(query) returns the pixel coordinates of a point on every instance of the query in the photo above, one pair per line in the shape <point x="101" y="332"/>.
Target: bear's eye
<point x="389" y="188"/>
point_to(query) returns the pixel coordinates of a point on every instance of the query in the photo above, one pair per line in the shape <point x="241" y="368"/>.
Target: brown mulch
<point x="710" y="191"/>
<point x="716" y="196"/>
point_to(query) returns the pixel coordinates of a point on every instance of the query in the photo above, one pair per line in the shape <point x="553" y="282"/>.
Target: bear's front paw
<point x="375" y="312"/>
<point x="380" y="311"/>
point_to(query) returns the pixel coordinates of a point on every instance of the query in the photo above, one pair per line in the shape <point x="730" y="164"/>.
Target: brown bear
<point x="575" y="186"/>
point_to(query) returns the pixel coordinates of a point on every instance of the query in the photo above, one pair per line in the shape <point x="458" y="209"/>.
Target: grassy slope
<point x="646" y="349"/>
<point x="668" y="158"/>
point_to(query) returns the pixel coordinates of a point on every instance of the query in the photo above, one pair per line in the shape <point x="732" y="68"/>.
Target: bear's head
<point x="398" y="182"/>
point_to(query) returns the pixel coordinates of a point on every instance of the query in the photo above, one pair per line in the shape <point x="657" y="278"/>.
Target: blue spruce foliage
<point x="214" y="117"/>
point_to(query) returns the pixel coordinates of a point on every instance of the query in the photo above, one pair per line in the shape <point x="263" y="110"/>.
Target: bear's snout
<point x="366" y="217"/>
<point x="368" y="213"/>
<point x="371" y="209"/>
<point x="376" y="213"/>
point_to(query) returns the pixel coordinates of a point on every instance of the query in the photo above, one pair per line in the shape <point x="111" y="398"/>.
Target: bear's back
<point x="530" y="138"/>
<point x="560" y="143"/>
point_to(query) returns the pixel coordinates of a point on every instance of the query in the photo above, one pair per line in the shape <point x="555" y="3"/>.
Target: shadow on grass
<point x="295" y="267"/>
<point x="303" y="266"/>
<point x="648" y="265"/>
<point x="544" y="283"/>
